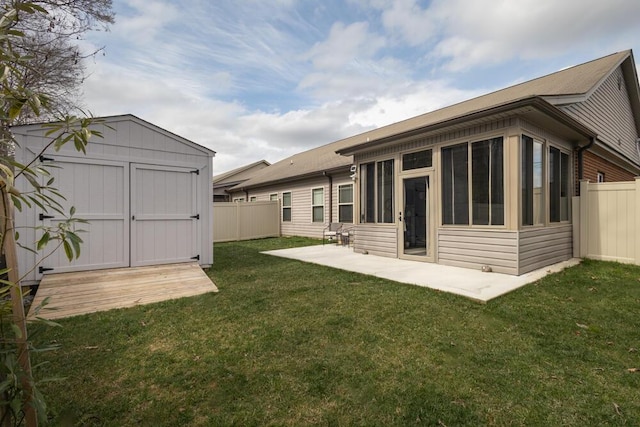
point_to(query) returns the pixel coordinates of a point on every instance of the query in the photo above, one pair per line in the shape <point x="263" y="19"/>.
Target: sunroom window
<point x="377" y="192"/>
<point x="455" y="184"/>
<point x="488" y="182"/>
<point x="532" y="176"/>
<point x="558" y="185"/>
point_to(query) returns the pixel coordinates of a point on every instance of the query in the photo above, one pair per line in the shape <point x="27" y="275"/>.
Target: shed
<point x="146" y="193"/>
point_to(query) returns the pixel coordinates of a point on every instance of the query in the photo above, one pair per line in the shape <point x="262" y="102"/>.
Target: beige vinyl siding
<point x="377" y="239"/>
<point x="473" y="248"/>
<point x="301" y="223"/>
<point x="608" y="110"/>
<point x="544" y="246"/>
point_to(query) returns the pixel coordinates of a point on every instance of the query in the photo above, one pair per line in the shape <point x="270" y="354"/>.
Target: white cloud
<point x="147" y="21"/>
<point x="344" y="45"/>
<point x="253" y="79"/>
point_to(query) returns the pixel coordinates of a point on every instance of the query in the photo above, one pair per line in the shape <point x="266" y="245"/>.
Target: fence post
<point x="575" y="222"/>
<point x="583" y="239"/>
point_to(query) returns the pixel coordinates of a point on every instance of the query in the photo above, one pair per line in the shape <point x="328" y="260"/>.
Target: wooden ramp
<point x="71" y="294"/>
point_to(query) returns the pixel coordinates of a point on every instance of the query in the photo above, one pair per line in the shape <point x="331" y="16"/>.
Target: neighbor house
<point x="224" y="181"/>
<point x="314" y="187"/>
<point x="485" y="182"/>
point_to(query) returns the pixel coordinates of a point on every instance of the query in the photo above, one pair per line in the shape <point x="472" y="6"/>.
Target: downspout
<point x="246" y="195"/>
<point x="330" y="195"/>
<point x="581" y="150"/>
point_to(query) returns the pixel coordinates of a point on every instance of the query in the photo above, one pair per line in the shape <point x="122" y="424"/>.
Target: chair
<point x="331" y="231"/>
<point x="345" y="236"/>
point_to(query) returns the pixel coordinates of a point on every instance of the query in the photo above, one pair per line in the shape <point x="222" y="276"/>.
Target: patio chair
<point x="345" y="236"/>
<point x="331" y="231"/>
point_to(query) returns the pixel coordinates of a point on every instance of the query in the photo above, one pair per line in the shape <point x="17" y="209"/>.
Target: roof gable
<point x="131" y="128"/>
<point x="241" y="173"/>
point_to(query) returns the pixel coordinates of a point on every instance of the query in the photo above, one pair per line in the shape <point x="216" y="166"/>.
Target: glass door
<point x="414" y="230"/>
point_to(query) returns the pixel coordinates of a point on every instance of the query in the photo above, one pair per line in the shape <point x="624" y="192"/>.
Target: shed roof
<point x="105" y="120"/>
<point x="572" y="84"/>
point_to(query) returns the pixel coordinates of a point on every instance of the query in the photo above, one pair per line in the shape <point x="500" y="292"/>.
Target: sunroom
<point x="488" y="190"/>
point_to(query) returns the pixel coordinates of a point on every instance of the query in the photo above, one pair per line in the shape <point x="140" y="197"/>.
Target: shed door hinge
<point x="197" y="171"/>
<point x="45" y="159"/>
<point x="197" y="257"/>
<point x="42" y="217"/>
<point x="43" y="269"/>
<point x="196" y="216"/>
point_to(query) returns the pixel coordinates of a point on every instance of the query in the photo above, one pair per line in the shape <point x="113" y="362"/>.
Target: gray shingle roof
<point x="579" y="80"/>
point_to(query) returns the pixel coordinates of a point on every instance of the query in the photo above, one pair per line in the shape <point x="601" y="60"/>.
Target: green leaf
<point x="67" y="250"/>
<point x="44" y="240"/>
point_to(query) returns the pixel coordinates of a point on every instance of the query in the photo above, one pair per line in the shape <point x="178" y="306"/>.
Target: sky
<point x="264" y="79"/>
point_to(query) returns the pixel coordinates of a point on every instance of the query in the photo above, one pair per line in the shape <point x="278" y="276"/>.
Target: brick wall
<point x="592" y="164"/>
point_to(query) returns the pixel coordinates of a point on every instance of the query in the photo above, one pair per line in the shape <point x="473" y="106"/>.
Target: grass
<point x="289" y="343"/>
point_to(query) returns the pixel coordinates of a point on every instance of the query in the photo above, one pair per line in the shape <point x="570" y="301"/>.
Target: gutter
<point x="291" y="178"/>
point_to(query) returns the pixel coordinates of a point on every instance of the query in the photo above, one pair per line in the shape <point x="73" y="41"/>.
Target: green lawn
<point x="289" y="343"/>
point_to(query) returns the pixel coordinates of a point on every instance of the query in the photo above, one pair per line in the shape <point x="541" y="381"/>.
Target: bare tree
<point x="55" y="67"/>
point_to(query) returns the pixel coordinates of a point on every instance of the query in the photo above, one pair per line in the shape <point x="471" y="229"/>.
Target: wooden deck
<point x="72" y="294"/>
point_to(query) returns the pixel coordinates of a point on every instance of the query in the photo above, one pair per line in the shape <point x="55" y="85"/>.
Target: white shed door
<point x="163" y="215"/>
<point x="99" y="191"/>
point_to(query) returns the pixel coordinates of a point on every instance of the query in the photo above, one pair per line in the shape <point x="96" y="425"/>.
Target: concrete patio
<point x="472" y="284"/>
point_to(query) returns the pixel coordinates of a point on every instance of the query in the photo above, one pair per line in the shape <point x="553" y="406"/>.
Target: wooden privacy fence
<point x="245" y="220"/>
<point x="606" y="221"/>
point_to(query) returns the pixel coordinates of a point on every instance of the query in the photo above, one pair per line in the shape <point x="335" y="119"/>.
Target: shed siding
<point x="377" y="239"/>
<point x="473" y="248"/>
<point x="544" y="246"/>
<point x="126" y="140"/>
<point x="608" y="110"/>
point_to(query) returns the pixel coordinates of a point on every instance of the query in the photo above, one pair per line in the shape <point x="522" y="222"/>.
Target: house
<point x="227" y="180"/>
<point x="487" y="182"/>
<point x="146" y="193"/>
<point x="314" y="187"/>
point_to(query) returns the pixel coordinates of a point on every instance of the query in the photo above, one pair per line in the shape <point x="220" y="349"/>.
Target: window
<point x="367" y="192"/>
<point x="420" y="159"/>
<point x="273" y="197"/>
<point x="600" y="177"/>
<point x="345" y="203"/>
<point x="253" y="198"/>
<point x="487" y="180"/>
<point x="455" y="185"/>
<point x="286" y="207"/>
<point x="317" y="204"/>
<point x="558" y="185"/>
<point x="377" y="192"/>
<point x="385" y="191"/>
<point x="239" y="199"/>
<point x="532" y="173"/>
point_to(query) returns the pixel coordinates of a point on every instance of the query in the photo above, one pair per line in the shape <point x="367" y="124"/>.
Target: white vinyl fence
<point x="245" y="220"/>
<point x="607" y="221"/>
